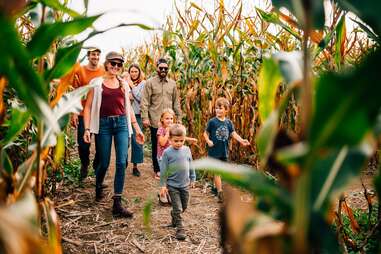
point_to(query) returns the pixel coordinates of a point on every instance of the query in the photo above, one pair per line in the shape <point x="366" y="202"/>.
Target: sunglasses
<point x="113" y="64"/>
<point x="163" y="68"/>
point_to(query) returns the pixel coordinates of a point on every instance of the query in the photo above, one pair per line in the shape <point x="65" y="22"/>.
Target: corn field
<point x="302" y="89"/>
<point x="219" y="53"/>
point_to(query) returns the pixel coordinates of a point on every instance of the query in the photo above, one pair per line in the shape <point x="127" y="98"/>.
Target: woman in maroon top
<point x="108" y="114"/>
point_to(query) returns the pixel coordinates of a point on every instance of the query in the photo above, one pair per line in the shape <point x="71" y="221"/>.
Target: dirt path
<point x="88" y="227"/>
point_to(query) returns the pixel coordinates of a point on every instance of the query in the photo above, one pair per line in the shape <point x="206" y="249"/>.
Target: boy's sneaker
<point x="220" y="196"/>
<point x="180" y="234"/>
<point x="136" y="172"/>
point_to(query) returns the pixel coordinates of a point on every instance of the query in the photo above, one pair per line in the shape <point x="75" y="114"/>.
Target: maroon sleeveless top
<point x="113" y="103"/>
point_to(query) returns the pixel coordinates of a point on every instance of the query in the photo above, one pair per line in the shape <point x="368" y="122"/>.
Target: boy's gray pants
<point x="179" y="201"/>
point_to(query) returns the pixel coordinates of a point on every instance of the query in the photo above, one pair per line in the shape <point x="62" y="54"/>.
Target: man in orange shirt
<point x="81" y="77"/>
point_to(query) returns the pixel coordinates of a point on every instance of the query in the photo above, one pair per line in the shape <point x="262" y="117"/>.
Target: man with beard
<point x="159" y="93"/>
<point x="80" y="77"/>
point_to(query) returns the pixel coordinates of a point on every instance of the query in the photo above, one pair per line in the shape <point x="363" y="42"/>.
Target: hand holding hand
<point x="192" y="184"/>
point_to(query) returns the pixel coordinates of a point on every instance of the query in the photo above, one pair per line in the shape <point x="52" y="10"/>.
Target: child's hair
<point x="177" y="130"/>
<point x="166" y="111"/>
<point x="222" y="102"/>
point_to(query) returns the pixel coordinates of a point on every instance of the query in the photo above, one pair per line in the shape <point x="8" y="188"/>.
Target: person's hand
<point x="140" y="138"/>
<point x="87" y="136"/>
<point x="163" y="191"/>
<point x="192" y="184"/>
<point x="245" y="142"/>
<point x="210" y="143"/>
<point x="131" y="96"/>
<point x="192" y="140"/>
<point x="146" y="123"/>
<point x="74" y="120"/>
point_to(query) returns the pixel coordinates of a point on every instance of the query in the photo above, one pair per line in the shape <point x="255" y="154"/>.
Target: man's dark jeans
<point x="83" y="147"/>
<point x="155" y="163"/>
<point x="179" y="201"/>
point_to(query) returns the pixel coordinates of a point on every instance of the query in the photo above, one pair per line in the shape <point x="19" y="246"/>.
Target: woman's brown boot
<point x="118" y="210"/>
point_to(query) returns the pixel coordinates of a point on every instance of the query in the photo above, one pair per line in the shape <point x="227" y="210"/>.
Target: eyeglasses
<point x="163" y="68"/>
<point x="113" y="64"/>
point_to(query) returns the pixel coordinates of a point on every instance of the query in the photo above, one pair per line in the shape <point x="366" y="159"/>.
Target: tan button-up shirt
<point x="158" y="95"/>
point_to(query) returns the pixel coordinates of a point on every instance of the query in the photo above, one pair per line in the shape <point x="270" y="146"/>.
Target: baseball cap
<point x="92" y="49"/>
<point x="114" y="56"/>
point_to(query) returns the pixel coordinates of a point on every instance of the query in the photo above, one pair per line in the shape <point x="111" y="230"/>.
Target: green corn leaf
<point x="346" y="105"/>
<point x="6" y="162"/>
<point x="16" y="124"/>
<point x="368" y="11"/>
<point x="45" y="35"/>
<point x="266" y="137"/>
<point x="64" y="61"/>
<point x="268" y="82"/>
<point x="366" y="29"/>
<point x="340" y="41"/>
<point x="296" y="8"/>
<point x="56" y="5"/>
<point x="251" y="180"/>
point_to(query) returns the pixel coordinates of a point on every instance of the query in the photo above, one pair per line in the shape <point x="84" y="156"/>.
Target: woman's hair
<point x="166" y="111"/>
<point x="141" y="74"/>
<point x="177" y="130"/>
<point x="222" y="102"/>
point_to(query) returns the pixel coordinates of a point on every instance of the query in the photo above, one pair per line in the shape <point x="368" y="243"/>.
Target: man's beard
<point x="162" y="74"/>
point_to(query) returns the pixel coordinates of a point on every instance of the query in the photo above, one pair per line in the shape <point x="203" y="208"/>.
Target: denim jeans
<point x="179" y="201"/>
<point x="83" y="147"/>
<point x="109" y="127"/>
<point x="155" y="163"/>
<point x="137" y="149"/>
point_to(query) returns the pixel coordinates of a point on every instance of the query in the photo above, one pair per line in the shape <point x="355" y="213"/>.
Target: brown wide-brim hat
<point x="114" y="56"/>
<point x="93" y="49"/>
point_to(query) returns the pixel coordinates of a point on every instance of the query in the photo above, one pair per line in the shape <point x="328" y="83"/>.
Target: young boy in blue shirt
<point x="176" y="174"/>
<point x="217" y="135"/>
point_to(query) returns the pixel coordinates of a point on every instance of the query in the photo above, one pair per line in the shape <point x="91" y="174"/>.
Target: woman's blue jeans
<point x="109" y="127"/>
<point x="137" y="149"/>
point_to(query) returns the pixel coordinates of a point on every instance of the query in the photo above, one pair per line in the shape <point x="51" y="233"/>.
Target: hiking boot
<point x="180" y="234"/>
<point x="99" y="195"/>
<point x="136" y="172"/>
<point x="118" y="210"/>
<point x="220" y="196"/>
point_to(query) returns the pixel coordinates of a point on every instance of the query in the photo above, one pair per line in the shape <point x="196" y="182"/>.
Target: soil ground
<point x="88" y="226"/>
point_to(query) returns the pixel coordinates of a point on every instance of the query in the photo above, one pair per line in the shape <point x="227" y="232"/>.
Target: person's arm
<point x="242" y="141"/>
<point x="162" y="139"/>
<point x="207" y="139"/>
<point x="145" y="102"/>
<point x="176" y="104"/>
<point x="163" y="174"/>
<point x="139" y="134"/>
<point x="191" y="140"/>
<point x="87" y="116"/>
<point x="192" y="172"/>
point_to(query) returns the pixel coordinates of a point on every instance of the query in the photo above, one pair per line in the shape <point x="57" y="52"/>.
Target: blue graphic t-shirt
<point x="219" y="132"/>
